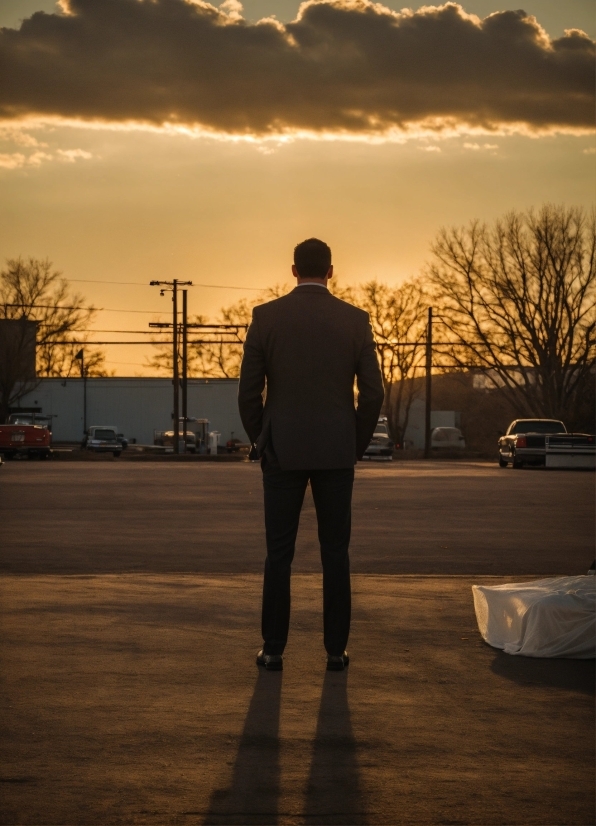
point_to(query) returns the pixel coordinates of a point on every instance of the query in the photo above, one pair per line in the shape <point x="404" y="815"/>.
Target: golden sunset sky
<point x="174" y="139"/>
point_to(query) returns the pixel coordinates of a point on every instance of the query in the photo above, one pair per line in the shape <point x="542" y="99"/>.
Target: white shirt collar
<point x="312" y="284"/>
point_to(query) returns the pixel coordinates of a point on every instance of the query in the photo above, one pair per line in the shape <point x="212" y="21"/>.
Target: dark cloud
<point x="343" y="65"/>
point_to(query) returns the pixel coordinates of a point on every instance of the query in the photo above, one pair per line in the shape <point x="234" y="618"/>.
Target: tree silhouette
<point x="398" y="318"/>
<point x="219" y="360"/>
<point x="33" y="290"/>
<point x="518" y="300"/>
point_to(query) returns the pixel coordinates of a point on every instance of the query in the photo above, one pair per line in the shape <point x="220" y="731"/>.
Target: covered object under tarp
<point x="545" y="618"/>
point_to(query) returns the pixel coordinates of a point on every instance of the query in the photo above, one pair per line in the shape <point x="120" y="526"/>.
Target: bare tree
<point x="162" y="359"/>
<point x="398" y="315"/>
<point x="224" y="359"/>
<point x="63" y="362"/>
<point x="32" y="290"/>
<point x="219" y="360"/>
<point x="519" y="302"/>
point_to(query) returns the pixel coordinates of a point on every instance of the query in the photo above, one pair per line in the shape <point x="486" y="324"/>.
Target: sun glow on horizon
<point x="210" y="165"/>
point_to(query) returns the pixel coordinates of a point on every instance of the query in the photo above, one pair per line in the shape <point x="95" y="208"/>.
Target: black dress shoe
<point x="272" y="662"/>
<point x="338" y="663"/>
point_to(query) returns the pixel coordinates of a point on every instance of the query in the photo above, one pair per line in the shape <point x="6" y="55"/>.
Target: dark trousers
<point x="284" y="494"/>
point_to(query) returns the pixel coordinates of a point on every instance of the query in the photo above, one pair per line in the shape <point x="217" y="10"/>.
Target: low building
<point x="415" y="431"/>
<point x="136" y="406"/>
<point x="17" y="347"/>
<point x="485" y="411"/>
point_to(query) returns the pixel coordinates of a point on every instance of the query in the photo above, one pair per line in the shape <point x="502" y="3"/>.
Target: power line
<point x="132" y="332"/>
<point x="112" y="310"/>
<point x="98" y="281"/>
<point x="143" y="343"/>
<point x="243" y="326"/>
<point x="144" y="284"/>
<point x="83" y="309"/>
<point x="199" y="341"/>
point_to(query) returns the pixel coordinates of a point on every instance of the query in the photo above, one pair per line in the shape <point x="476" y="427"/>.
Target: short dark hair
<point x="312" y="258"/>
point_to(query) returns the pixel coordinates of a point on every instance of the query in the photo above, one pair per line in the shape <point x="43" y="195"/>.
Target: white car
<point x="381" y="445"/>
<point x="447" y="437"/>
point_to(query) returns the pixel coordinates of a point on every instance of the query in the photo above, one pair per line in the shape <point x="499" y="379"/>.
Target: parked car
<point x="447" y="437"/>
<point x="525" y="441"/>
<point x="381" y="445"/>
<point x="102" y="439"/>
<point x="30" y="440"/>
<point x="31" y="418"/>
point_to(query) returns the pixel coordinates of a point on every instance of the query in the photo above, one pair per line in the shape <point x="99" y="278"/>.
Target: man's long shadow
<point x="333" y="794"/>
<point x="253" y="794"/>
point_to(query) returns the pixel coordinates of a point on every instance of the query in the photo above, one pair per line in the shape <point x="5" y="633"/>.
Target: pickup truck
<point x="103" y="439"/>
<point x="30" y="440"/>
<point x="545" y="442"/>
<point x="31" y="418"/>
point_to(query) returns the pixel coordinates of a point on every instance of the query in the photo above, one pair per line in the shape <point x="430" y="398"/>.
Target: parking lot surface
<point x="413" y="518"/>
<point x="129" y="623"/>
<point x="135" y="699"/>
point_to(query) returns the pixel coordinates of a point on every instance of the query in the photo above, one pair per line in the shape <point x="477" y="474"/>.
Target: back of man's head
<point x="312" y="258"/>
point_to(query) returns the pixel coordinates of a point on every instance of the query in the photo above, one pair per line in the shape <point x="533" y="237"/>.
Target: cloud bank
<point x="348" y="67"/>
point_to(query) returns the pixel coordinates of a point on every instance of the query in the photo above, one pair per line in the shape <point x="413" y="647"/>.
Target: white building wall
<point x="414" y="435"/>
<point x="136" y="406"/>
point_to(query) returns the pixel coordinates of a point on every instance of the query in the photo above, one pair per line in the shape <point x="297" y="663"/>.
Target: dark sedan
<point x="525" y="442"/>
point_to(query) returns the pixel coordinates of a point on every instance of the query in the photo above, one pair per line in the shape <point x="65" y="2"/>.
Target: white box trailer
<point x="570" y="450"/>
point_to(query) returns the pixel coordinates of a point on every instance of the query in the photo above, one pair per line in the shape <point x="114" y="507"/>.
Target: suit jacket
<point x="307" y="347"/>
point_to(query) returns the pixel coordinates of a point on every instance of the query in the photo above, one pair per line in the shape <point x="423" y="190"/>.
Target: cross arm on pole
<point x="170" y="283"/>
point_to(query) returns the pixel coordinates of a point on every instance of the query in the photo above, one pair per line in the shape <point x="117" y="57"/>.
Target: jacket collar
<point x="311" y="288"/>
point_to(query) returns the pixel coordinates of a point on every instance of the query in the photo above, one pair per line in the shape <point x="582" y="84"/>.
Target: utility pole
<point x="176" y="370"/>
<point x="81" y="357"/>
<point x="428" y="399"/>
<point x="184" y="365"/>
<point x="172" y="286"/>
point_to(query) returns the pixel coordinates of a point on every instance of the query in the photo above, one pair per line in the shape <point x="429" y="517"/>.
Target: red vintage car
<point x="30" y="440"/>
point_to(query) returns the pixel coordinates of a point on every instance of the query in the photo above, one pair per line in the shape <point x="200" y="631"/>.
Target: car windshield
<point x="104" y="434"/>
<point x="538" y="426"/>
<point x="380" y="430"/>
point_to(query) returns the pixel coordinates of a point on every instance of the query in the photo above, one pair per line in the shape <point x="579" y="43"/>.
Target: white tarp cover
<point x="545" y="618"/>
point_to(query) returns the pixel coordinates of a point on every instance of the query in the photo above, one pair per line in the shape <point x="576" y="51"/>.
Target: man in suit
<point x="306" y="348"/>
